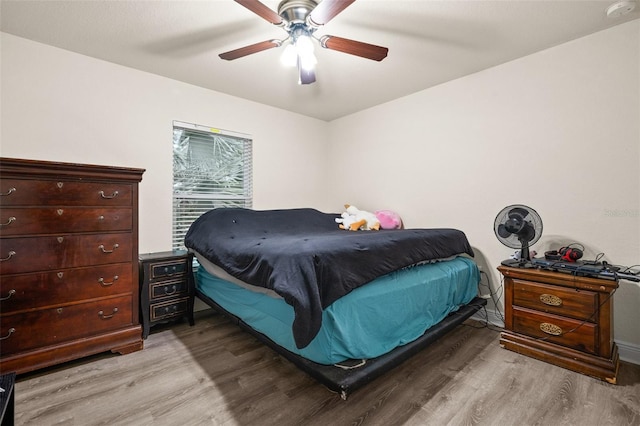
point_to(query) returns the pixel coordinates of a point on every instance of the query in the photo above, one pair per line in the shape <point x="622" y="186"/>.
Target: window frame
<point x="206" y="194"/>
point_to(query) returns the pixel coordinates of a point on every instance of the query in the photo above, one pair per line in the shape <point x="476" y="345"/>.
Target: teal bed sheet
<point x="390" y="311"/>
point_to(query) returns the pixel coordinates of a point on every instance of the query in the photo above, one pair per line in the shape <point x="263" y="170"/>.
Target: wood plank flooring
<point x="216" y="374"/>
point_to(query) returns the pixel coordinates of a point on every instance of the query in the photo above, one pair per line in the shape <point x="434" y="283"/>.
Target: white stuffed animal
<point x="360" y="219"/>
<point x="345" y="221"/>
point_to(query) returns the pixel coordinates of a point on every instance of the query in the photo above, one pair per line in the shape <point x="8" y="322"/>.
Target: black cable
<point x="576" y="244"/>
<point x="492" y="295"/>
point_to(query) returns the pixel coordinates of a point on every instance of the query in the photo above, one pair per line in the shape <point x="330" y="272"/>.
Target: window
<point x="211" y="169"/>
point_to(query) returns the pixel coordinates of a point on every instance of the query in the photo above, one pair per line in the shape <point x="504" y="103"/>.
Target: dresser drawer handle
<point x="11" y="331"/>
<point x="101" y="247"/>
<point x="9" y="256"/>
<point x="9" y="221"/>
<point x="550" y="299"/>
<point x="11" y="293"/>
<point x="103" y="316"/>
<point x="108" y="197"/>
<point x="104" y="283"/>
<point x="173" y="291"/>
<point x="551" y="329"/>
<point x="9" y="192"/>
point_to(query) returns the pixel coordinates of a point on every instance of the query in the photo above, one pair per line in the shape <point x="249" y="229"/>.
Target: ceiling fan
<point x="300" y="19"/>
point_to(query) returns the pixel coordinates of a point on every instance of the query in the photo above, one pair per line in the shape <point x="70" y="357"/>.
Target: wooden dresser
<point x="68" y="262"/>
<point x="562" y="319"/>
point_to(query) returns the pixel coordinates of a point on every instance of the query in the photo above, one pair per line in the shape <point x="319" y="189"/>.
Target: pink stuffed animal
<point x="388" y="219"/>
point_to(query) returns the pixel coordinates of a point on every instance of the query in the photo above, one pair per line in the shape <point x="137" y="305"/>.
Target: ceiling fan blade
<point x="352" y="47"/>
<point x="248" y="50"/>
<point x="262" y="11"/>
<point x="326" y="11"/>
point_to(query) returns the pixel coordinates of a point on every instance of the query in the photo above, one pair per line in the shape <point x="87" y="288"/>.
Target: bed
<point x="343" y="306"/>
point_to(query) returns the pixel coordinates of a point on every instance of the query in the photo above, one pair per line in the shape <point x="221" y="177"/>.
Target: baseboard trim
<point x="490" y="316"/>
<point x="629" y="352"/>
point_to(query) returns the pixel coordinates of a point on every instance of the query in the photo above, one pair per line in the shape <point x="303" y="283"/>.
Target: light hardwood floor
<point x="216" y="374"/>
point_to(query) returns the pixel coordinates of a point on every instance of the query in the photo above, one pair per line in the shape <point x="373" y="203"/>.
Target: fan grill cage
<point x="532" y="217"/>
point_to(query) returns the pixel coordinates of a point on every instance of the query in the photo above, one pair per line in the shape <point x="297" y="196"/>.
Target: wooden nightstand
<point x="562" y="319"/>
<point x="166" y="288"/>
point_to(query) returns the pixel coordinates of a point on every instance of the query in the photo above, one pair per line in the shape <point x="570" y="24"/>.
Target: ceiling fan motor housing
<point x="296" y="11"/>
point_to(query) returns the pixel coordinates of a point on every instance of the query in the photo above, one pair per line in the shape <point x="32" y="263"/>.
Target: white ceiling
<point x="429" y="41"/>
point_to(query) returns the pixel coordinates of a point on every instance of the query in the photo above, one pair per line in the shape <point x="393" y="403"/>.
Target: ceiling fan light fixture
<point x="300" y="19"/>
<point x="289" y="57"/>
<point x="308" y="62"/>
<point x="304" y="45"/>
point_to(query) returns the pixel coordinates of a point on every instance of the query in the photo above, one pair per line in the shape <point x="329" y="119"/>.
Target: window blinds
<point x="211" y="169"/>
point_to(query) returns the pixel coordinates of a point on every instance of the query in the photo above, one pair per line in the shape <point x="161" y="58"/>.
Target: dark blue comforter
<point x="303" y="256"/>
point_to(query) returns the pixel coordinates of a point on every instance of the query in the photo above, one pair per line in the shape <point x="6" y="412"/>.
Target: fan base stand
<point x="517" y="263"/>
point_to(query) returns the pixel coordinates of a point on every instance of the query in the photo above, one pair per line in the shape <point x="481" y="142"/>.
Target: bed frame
<point x="345" y="381"/>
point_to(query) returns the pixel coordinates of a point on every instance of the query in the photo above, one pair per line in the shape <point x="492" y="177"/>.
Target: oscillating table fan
<point x="518" y="226"/>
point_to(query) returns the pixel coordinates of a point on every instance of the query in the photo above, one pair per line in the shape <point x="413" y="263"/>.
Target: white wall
<point x="558" y="131"/>
<point x="62" y="106"/>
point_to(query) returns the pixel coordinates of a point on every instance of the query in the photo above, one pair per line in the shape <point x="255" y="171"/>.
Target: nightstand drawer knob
<point x="551" y="329"/>
<point x="550" y="299"/>
<point x="168" y="292"/>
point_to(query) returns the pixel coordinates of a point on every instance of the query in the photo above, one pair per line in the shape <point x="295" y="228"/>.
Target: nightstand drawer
<point x="553" y="328"/>
<point x="169" y="309"/>
<point x="168" y="288"/>
<point x="168" y="269"/>
<point x="579" y="304"/>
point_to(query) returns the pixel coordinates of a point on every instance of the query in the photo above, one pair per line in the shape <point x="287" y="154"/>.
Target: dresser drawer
<point x="26" y="192"/>
<point x="168" y="288"/>
<point x="33" y="329"/>
<point x="32" y="254"/>
<point x="579" y="304"/>
<point x="163" y="270"/>
<point x="37" y="290"/>
<point x="52" y="220"/>
<point x="168" y="309"/>
<point x="556" y="329"/>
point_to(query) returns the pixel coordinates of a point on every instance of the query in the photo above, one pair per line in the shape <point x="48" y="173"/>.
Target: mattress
<point x="371" y="320"/>
<point x="304" y="257"/>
